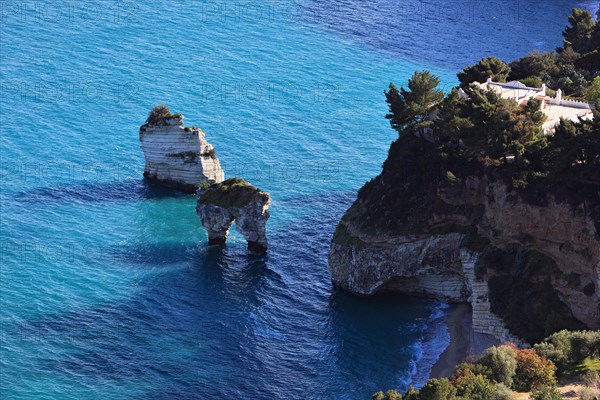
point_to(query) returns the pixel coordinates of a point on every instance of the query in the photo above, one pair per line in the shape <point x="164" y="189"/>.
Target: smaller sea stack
<point x="219" y="205"/>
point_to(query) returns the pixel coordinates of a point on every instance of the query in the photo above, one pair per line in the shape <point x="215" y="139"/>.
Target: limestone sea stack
<point x="221" y="204"/>
<point x="177" y="156"/>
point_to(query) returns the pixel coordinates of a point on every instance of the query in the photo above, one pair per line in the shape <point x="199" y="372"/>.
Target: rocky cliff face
<point x="420" y="265"/>
<point x="235" y="200"/>
<point x="179" y="157"/>
<point x="537" y="268"/>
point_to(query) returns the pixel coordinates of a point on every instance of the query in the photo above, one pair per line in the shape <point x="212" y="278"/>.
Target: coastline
<point x="464" y="342"/>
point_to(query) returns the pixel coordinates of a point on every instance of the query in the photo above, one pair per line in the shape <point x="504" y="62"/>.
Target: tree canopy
<point x="409" y="109"/>
<point x="490" y="67"/>
<point x="577" y="34"/>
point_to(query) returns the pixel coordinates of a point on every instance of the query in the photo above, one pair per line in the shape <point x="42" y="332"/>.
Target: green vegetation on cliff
<point x="444" y="142"/>
<point x="159" y="115"/>
<point x="504" y="138"/>
<point x="234" y="192"/>
<point x="505" y="367"/>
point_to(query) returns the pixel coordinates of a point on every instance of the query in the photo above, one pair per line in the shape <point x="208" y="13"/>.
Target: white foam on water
<point x="435" y="339"/>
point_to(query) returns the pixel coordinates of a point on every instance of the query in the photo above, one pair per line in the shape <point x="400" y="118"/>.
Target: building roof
<point x="555" y="108"/>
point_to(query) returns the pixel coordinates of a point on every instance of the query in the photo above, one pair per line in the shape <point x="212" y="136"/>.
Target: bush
<point x="475" y="387"/>
<point x="234" y="192"/>
<point x="546" y="393"/>
<point x="569" y="348"/>
<point x="469" y="369"/>
<point x="490" y="67"/>
<point x="503" y="392"/>
<point x="593" y="92"/>
<point x="532" y="81"/>
<point x="438" y="389"/>
<point x="390" y="395"/>
<point x="592" y="379"/>
<point x="411" y="394"/>
<point x="533" y="371"/>
<point x="589" y="393"/>
<point x="159" y="114"/>
<point x="502" y="362"/>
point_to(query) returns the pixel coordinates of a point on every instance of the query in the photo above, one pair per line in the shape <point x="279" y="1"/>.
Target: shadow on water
<point x="213" y="321"/>
<point x="385" y="327"/>
<point x="197" y="257"/>
<point x="130" y="190"/>
<point x="176" y="324"/>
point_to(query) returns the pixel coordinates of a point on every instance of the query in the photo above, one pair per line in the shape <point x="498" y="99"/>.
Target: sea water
<point x="108" y="289"/>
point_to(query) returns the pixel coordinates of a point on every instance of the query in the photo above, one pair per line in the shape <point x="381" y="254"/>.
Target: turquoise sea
<point x="107" y="287"/>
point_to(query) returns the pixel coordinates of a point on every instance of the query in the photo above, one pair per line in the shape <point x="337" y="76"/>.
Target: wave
<point x="434" y="340"/>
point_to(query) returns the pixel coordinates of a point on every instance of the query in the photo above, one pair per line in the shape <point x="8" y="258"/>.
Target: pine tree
<point x="409" y="109"/>
<point x="490" y="67"/>
<point x="398" y="115"/>
<point x="577" y="35"/>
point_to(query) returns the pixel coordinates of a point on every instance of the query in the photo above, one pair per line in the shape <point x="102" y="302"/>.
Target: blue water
<point x="108" y="290"/>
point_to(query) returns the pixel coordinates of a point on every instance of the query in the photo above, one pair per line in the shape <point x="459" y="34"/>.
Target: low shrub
<point x="437" y="389"/>
<point x="390" y="395"/>
<point x="468" y="369"/>
<point x="568" y="349"/>
<point x="411" y="394"/>
<point x="475" y="387"/>
<point x="503" y="392"/>
<point x="533" y="371"/>
<point x="532" y="81"/>
<point x="159" y="114"/>
<point x="234" y="192"/>
<point x="546" y="393"/>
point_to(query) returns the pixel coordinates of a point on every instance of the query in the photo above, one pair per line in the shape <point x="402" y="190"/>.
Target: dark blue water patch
<point x="100" y="192"/>
<point x="230" y="325"/>
<point x="325" y="199"/>
<point x="152" y="255"/>
<point x="449" y="33"/>
<point x="121" y="341"/>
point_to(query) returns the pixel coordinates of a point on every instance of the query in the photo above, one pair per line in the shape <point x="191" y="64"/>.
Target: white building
<point x="555" y="108"/>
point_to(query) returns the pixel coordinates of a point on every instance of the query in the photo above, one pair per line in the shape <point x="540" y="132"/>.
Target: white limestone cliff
<point x="179" y="157"/>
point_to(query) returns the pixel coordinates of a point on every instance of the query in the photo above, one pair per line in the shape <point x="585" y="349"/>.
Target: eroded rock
<point x="234" y="200"/>
<point x="177" y="156"/>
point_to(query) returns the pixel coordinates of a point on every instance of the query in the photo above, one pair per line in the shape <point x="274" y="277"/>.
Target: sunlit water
<point x="108" y="290"/>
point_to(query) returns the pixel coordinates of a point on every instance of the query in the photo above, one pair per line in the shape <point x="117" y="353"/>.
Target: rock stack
<point x="177" y="156"/>
<point x="221" y="204"/>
